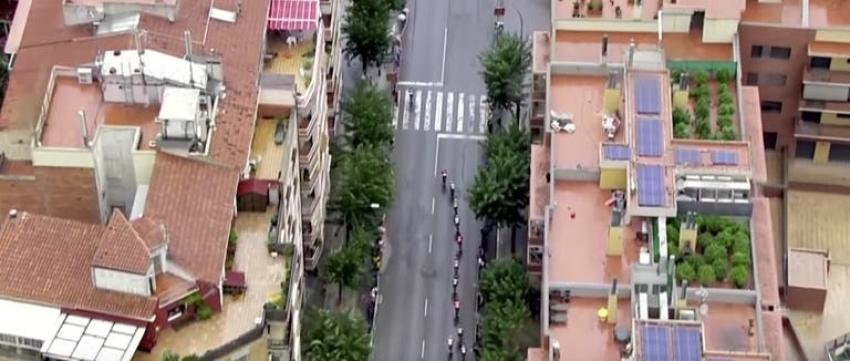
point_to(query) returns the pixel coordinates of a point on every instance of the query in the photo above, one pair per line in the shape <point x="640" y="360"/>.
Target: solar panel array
<point x="655" y="343"/>
<point x="724" y="158"/>
<point x="616" y="152"/>
<point x="686" y="157"/>
<point x="650" y="185"/>
<point x="647" y="94"/>
<point x="649" y="137"/>
<point x="687" y="345"/>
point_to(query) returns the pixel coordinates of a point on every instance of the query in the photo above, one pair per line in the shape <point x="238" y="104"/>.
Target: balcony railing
<point x="822" y="130"/>
<point x="821" y="75"/>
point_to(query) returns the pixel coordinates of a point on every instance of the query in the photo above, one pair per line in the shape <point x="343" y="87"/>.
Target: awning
<point x="293" y="15"/>
<point x="88" y="339"/>
<point x="235" y="279"/>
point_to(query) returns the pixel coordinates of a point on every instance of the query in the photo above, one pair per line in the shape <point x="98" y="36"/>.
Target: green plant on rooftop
<point x="700" y="92"/>
<point x="739" y="276"/>
<point x="366" y="25"/>
<point x="721" y="268"/>
<point x="726" y="110"/>
<point x="700" y="78"/>
<point x="703" y="128"/>
<point x="367" y="115"/>
<point x="723" y="95"/>
<point x="723" y="76"/>
<point x="504" y="69"/>
<point x="333" y="336"/>
<point x="681" y="123"/>
<point x="685" y="271"/>
<point x="728" y="133"/>
<point x="706" y="274"/>
<point x="740" y="259"/>
<point x="714" y="252"/>
<point x="499" y="193"/>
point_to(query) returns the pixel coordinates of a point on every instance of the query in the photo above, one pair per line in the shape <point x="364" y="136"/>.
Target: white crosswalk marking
<point x="428" y="111"/>
<point x="438" y="117"/>
<point x="483" y="110"/>
<point x="417" y="109"/>
<point x="460" y="109"/>
<point x="450" y="102"/>
<point x="405" y="121"/>
<point x="472" y="106"/>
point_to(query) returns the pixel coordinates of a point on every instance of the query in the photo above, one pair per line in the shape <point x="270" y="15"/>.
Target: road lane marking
<point x="428" y="111"/>
<point x="422" y="353"/>
<point x="426" y="307"/>
<point x="456" y="136"/>
<point x="438" y="117"/>
<point x="460" y="109"/>
<point x="450" y="102"/>
<point x="418" y="83"/>
<point x="430" y="242"/>
<point x="483" y="110"/>
<point x="433" y="202"/>
<point x="472" y="104"/>
<point x="416" y="114"/>
<point x="405" y="121"/>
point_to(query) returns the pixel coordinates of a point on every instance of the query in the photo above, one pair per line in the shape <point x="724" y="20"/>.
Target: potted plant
<point x="576" y="8"/>
<point x="594" y="7"/>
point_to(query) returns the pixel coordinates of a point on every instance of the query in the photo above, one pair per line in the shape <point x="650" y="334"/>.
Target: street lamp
<point x="374" y="205"/>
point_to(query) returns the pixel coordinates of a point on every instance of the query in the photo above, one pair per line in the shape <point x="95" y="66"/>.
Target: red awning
<point x="254" y="186"/>
<point x="293" y="15"/>
<point x="234" y="279"/>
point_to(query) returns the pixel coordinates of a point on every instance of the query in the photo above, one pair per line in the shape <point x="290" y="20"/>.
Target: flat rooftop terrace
<point x="578" y="236"/>
<point x="629" y="11"/>
<point x="586" y="46"/>
<point x="62" y="127"/>
<point x="825" y="14"/>
<point x="584" y="337"/>
<point x="727" y="327"/>
<point x="582" y="97"/>
<point x="785" y="12"/>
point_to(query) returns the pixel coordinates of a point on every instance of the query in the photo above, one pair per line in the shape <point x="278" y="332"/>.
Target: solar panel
<point x="687" y="345"/>
<point x="616" y="152"/>
<point x="649" y="137"/>
<point x="650" y="185"/>
<point x="724" y="158"/>
<point x="656" y="343"/>
<point x="648" y="94"/>
<point x="688" y="157"/>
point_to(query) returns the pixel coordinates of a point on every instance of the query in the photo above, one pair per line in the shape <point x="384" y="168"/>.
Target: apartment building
<point x="622" y="194"/>
<point x="133" y="120"/>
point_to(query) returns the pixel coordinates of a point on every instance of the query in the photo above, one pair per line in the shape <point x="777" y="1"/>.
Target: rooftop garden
<point x="722" y="256"/>
<point x="693" y="118"/>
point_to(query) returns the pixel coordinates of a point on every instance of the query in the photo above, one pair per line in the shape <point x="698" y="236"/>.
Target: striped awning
<point x="293" y="15"/>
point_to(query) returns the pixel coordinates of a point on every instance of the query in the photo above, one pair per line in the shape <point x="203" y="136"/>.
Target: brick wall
<point x="60" y="192"/>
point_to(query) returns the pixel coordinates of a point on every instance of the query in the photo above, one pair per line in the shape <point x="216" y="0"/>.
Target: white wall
<point x="826" y="92"/>
<point x="719" y="30"/>
<point x="120" y="281"/>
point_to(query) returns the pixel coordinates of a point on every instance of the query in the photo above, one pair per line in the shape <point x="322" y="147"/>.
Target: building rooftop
<point x="628" y="10"/>
<point x="269" y="155"/>
<point x="828" y="14"/>
<point x="582" y="98"/>
<point x="586" y="46"/>
<point x="784" y="12"/>
<point x="35" y="266"/>
<point x="584" y="337"/>
<point x="62" y="127"/>
<point x="807" y="269"/>
<point x="121" y="247"/>
<point x="194" y="198"/>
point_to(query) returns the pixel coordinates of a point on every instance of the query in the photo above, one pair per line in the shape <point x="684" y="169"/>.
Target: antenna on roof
<point x="187" y="44"/>
<point x="84" y="127"/>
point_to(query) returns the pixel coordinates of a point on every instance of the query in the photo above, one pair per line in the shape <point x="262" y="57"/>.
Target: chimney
<point x="84" y="127"/>
<point x="187" y="45"/>
<point x="631" y="53"/>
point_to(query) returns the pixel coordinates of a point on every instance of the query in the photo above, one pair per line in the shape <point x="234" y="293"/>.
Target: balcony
<point x="821" y="75"/>
<point x="806" y="171"/>
<point x="823" y="131"/>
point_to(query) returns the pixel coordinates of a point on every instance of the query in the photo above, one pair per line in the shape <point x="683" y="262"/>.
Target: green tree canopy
<point x="329" y="336"/>
<point x="499" y="191"/>
<point x="367" y="115"/>
<point x="504" y="280"/>
<point x="344" y="267"/>
<point x="367" y="31"/>
<point x="505" y="66"/>
<point x="365" y="176"/>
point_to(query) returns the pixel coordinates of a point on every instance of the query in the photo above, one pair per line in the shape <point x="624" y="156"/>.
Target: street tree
<point x="505" y="67"/>
<point x="364" y="186"/>
<point x="367" y="31"/>
<point x="344" y="267"/>
<point x="330" y="336"/>
<point x="367" y="115"/>
<point x="503" y="326"/>
<point x="499" y="192"/>
<point x="504" y="280"/>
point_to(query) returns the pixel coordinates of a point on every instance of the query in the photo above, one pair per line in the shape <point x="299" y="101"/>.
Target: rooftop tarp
<point x="293" y="15"/>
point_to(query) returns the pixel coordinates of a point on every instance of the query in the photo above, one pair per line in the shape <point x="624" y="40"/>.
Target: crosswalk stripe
<point x="450" y="102"/>
<point x="416" y="110"/>
<point x="405" y="121"/>
<point x="483" y="109"/>
<point x="472" y="103"/>
<point x="428" y="111"/>
<point x="438" y="117"/>
<point x="460" y="109"/>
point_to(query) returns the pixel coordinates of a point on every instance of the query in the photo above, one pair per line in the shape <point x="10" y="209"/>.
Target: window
<point x="819" y="62"/>
<point x="768" y="106"/>
<point x="756" y="51"/>
<point x="780" y="52"/>
<point x="769" y="140"/>
<point x="810" y="117"/>
<point x="843" y="116"/>
<point x="752" y="78"/>
<point x="805" y="149"/>
<point x="535" y="255"/>
<point x="839" y="152"/>
<point x="176" y="312"/>
<point x="4" y="338"/>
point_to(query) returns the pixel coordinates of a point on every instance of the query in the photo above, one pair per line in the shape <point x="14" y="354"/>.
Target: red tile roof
<point x="152" y="232"/>
<point x="195" y="200"/>
<point x="48" y="260"/>
<point x="121" y="248"/>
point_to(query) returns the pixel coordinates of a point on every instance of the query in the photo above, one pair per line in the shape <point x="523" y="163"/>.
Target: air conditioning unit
<point x="85" y="76"/>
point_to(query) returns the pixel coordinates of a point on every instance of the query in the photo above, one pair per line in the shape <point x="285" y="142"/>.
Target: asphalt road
<point x="441" y="129"/>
